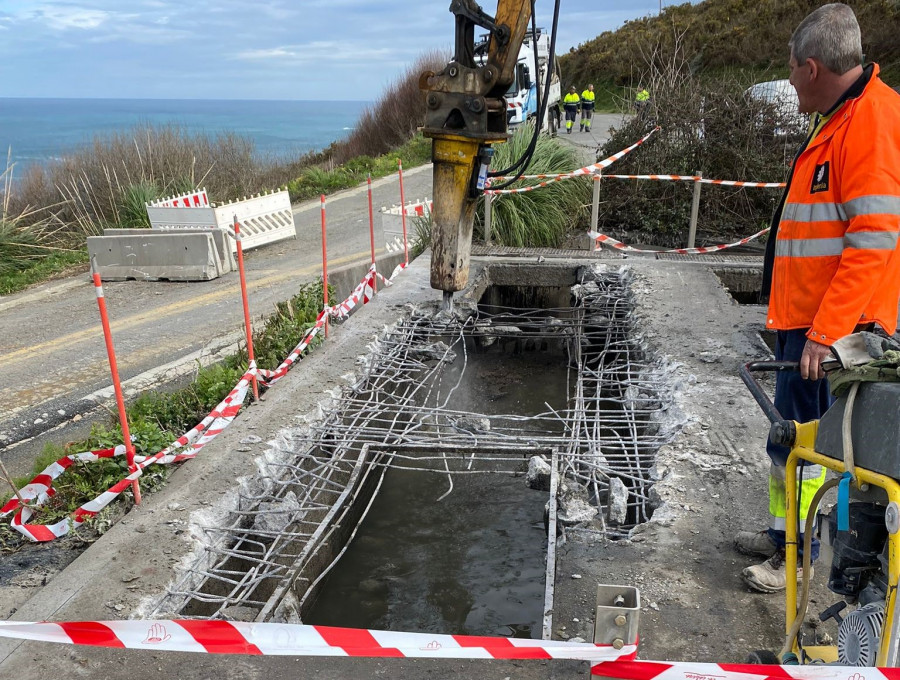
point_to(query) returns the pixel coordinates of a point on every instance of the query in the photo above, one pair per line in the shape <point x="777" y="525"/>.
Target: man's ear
<point x="815" y="69"/>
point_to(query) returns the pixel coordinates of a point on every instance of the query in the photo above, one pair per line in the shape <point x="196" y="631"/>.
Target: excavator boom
<point x="465" y="116"/>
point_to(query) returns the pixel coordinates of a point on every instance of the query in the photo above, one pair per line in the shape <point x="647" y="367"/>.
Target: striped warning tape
<point x="664" y="670"/>
<point x="273" y="639"/>
<point x="694" y="178"/>
<point x="613" y="243"/>
<point x="580" y="172"/>
<point x="40" y="490"/>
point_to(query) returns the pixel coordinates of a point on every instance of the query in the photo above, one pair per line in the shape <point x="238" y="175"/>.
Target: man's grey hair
<point x="829" y="34"/>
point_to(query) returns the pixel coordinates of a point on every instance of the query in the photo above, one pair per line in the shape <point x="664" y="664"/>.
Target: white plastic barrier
<point x="264" y="218"/>
<point x="392" y="222"/>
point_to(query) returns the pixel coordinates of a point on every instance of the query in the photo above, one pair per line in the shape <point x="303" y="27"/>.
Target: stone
<point x="618" y="501"/>
<point x="251" y="439"/>
<point x="573" y="505"/>
<point x="538" y="476"/>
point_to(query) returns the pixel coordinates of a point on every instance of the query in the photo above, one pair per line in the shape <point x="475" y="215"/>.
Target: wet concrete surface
<point x="466" y="562"/>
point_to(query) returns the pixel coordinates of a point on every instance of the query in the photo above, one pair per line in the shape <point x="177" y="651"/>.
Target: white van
<point x="783" y="97"/>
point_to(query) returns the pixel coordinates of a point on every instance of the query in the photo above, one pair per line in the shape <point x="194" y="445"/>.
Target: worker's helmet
<point x="572" y="89"/>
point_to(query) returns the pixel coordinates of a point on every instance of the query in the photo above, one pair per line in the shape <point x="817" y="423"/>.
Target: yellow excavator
<point x="466" y="114"/>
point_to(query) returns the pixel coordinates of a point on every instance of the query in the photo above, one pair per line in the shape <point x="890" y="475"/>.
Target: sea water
<point x="41" y="130"/>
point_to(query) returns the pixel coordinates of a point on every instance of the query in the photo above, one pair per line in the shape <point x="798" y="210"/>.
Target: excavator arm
<point x="465" y="115"/>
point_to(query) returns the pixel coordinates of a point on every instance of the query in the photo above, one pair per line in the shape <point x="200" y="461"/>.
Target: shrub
<point x="395" y="117"/>
<point x="706" y="125"/>
<point x="540" y="218"/>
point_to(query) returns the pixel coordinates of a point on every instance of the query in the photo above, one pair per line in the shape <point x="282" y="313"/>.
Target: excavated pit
<point x="404" y="505"/>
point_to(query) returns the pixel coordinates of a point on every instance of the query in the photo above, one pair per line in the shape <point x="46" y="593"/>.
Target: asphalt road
<point x="52" y="353"/>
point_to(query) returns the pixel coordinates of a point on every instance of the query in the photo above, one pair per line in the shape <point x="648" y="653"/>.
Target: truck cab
<point x="521" y="97"/>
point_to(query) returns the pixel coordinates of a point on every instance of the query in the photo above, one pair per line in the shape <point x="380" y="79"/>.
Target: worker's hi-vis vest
<point x="837" y="263"/>
<point x="571" y="100"/>
<point x="587" y="100"/>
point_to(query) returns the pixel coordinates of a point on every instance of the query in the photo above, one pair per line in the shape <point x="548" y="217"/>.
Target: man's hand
<point x="814" y="354"/>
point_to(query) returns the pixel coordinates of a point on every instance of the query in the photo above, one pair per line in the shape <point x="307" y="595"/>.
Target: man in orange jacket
<point x="832" y="261"/>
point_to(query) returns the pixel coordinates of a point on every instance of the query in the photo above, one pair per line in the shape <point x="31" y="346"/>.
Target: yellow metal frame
<point x="804" y="450"/>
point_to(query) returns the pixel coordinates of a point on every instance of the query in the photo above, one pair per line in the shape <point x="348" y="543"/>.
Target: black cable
<point x="526" y="157"/>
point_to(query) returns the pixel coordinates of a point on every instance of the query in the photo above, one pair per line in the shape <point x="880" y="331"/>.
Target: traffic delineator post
<point x="117" y="385"/>
<point x="324" y="264"/>
<point x="403" y="213"/>
<point x="371" y="227"/>
<point x="251" y="359"/>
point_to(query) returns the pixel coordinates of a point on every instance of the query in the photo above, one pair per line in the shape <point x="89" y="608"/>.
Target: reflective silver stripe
<point x="809" y="247"/>
<point x="873" y="205"/>
<point x="814" y="212"/>
<point x="872" y="240"/>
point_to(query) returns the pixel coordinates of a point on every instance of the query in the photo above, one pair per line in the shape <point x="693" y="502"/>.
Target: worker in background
<point x="832" y="261"/>
<point x="641" y="101"/>
<point x="587" y="108"/>
<point x="571" y="103"/>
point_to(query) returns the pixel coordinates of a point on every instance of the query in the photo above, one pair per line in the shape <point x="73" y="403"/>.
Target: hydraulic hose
<point x="804" y="590"/>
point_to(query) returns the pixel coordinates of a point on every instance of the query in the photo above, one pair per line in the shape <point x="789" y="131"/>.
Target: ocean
<point x="41" y="130"/>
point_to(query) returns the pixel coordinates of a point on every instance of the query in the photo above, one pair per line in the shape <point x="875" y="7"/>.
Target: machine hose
<point x="804" y="590"/>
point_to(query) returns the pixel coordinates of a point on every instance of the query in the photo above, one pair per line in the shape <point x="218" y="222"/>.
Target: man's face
<point x="801" y="78"/>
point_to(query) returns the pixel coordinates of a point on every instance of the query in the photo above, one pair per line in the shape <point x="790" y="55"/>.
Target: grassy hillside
<point x="717" y="35"/>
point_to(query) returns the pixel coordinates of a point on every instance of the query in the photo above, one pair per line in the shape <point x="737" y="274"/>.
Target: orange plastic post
<point x="403" y="213"/>
<point x="372" y="231"/>
<point x="324" y="262"/>
<point x="117" y="385"/>
<point x="247" y="326"/>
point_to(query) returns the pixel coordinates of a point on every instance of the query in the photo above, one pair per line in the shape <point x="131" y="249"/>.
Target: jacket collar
<point x="851" y="94"/>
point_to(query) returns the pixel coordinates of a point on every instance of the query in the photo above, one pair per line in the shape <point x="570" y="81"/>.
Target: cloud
<point x="333" y="51"/>
<point x="62" y="18"/>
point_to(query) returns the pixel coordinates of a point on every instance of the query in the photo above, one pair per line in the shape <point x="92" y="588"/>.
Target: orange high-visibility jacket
<point x="836" y="257"/>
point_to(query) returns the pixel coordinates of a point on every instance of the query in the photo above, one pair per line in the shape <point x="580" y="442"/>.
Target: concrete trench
<point x="579" y="391"/>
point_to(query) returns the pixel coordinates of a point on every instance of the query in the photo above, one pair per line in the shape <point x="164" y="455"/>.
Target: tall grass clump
<point x="543" y="217"/>
<point x="707" y="125"/>
<point x="26" y="234"/>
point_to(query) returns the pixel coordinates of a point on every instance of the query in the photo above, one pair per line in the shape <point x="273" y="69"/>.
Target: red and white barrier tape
<point x="273" y="639"/>
<point x="587" y="170"/>
<point x="664" y="670"/>
<point x="390" y="281"/>
<point x="610" y="241"/>
<point x="693" y="178"/>
<point x="40" y="489"/>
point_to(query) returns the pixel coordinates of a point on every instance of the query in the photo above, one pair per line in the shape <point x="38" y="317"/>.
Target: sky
<point x="230" y="49"/>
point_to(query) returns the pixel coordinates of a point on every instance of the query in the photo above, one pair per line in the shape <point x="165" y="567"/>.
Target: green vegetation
<point x="539" y="218"/>
<point x="717" y="37"/>
<point x="706" y="125"/>
<point x="156" y="419"/>
<point x="316" y="181"/>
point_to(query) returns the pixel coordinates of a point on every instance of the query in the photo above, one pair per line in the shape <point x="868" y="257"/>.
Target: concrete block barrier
<point x="160" y="256"/>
